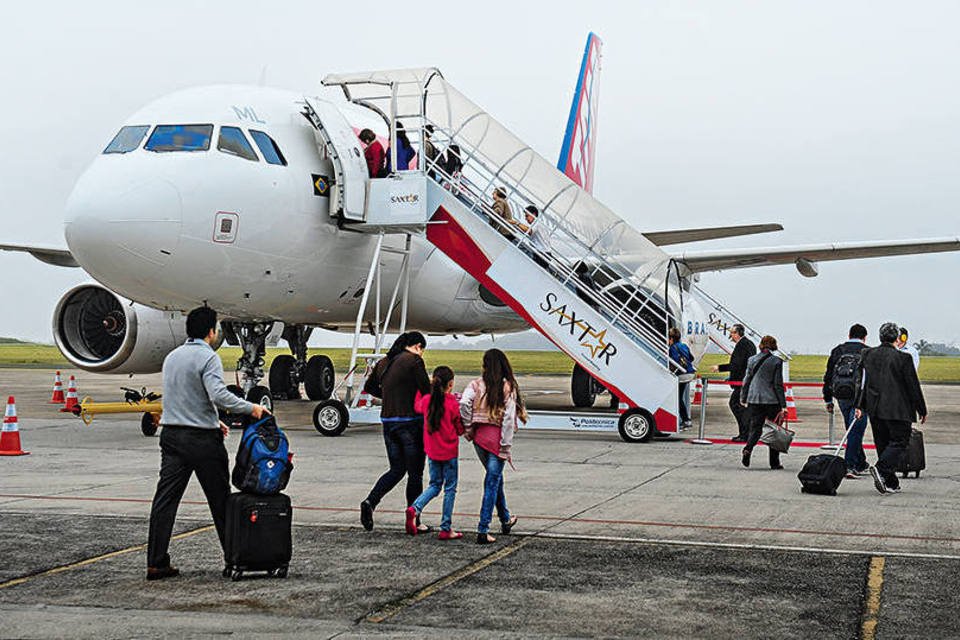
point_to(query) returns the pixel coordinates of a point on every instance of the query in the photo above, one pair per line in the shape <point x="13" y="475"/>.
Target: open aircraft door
<point x="348" y="192"/>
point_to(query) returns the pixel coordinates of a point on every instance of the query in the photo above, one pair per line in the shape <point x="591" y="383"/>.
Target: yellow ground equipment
<point x="141" y="401"/>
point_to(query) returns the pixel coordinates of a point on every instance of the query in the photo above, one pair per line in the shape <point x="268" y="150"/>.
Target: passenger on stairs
<point x="430" y="152"/>
<point x="373" y="154"/>
<point x="537" y="234"/>
<point x="763" y="396"/>
<point x="680" y="353"/>
<point x="501" y="207"/>
<point x="405" y="152"/>
<point x="490" y="408"/>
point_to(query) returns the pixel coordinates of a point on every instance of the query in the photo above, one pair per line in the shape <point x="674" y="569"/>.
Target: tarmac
<point x="659" y="540"/>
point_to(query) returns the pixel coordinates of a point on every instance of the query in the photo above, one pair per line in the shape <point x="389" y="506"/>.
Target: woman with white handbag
<point x="763" y="396"/>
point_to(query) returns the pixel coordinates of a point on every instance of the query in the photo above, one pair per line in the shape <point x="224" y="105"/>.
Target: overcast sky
<point x="839" y="120"/>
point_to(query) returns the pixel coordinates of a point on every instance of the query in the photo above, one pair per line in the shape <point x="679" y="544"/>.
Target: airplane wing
<point x="664" y="238"/>
<point x="50" y="255"/>
<point x="805" y="257"/>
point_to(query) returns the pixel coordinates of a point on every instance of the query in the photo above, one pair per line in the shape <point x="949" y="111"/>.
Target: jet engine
<point x="98" y="331"/>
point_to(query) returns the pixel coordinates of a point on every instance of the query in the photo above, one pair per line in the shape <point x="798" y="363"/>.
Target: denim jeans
<point x="443" y="474"/>
<point x="404" y="443"/>
<point x="682" y="402"/>
<point x="492" y="490"/>
<point x="855" y="457"/>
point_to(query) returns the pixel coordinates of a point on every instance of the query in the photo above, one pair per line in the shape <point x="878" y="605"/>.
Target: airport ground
<point x="660" y="540"/>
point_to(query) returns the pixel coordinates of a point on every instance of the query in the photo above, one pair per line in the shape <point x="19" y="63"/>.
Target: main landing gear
<point x="584" y="389"/>
<point x="288" y="371"/>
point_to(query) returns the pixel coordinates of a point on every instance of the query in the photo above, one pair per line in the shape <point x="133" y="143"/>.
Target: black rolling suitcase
<point x="823" y="473"/>
<point x="258" y="536"/>
<point x="914" y="458"/>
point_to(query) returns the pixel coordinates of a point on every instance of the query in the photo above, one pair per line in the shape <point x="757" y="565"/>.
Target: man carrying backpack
<point x="191" y="440"/>
<point x="840" y="384"/>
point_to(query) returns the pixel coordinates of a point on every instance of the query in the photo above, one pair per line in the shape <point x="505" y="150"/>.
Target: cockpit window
<point x="233" y="141"/>
<point x="127" y="139"/>
<point x="269" y="149"/>
<point x="180" y="137"/>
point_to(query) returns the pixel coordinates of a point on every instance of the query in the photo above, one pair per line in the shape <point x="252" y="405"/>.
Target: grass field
<point x="932" y="368"/>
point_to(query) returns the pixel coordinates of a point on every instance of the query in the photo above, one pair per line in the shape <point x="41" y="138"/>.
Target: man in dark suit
<point x="737" y="368"/>
<point x="889" y="392"/>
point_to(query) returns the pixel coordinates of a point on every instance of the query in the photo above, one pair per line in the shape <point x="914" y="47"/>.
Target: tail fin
<point x="579" y="141"/>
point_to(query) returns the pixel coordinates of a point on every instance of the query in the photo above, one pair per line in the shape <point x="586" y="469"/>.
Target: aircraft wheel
<point x="261" y="395"/>
<point x="636" y="425"/>
<point x="283" y="382"/>
<point x="582" y="390"/>
<point x="148" y="426"/>
<point x="319" y="378"/>
<point x="331" y="417"/>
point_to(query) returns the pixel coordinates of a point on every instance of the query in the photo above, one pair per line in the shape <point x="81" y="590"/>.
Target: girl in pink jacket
<point x="442" y="429"/>
<point x="489" y="409"/>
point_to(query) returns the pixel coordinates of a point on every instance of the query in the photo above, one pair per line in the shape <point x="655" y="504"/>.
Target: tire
<point x="260" y="395"/>
<point x="283" y="382"/>
<point x="330" y="417"/>
<point x="319" y="378"/>
<point x="582" y="390"/>
<point x="236" y="390"/>
<point x="148" y="426"/>
<point x="636" y="425"/>
<point x="234" y="421"/>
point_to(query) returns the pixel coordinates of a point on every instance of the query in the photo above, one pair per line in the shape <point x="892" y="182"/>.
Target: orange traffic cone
<point x="791" y="405"/>
<point x="364" y="400"/>
<point x="72" y="400"/>
<point x="10" y="436"/>
<point x="698" y="392"/>
<point x="57" y="390"/>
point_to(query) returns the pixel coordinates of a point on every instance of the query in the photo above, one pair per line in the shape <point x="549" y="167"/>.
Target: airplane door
<point x="350" y="167"/>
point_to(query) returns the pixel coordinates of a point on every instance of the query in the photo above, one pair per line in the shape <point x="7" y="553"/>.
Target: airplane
<point x="257" y="202"/>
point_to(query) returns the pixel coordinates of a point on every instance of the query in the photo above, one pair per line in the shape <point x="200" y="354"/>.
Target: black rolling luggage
<point x="914" y="459"/>
<point x="823" y="473"/>
<point x="258" y="535"/>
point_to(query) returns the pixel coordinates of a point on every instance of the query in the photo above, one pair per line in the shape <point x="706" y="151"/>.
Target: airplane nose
<point x="123" y="230"/>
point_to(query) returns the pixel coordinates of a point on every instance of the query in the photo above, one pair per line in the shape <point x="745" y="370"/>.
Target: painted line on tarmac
<point x="871" y="604"/>
<point x="392" y="609"/>
<point x="741" y="546"/>
<point x="575" y="519"/>
<point x="88" y="561"/>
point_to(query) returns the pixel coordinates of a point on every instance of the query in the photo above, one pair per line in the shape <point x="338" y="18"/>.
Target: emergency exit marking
<point x="225" y="227"/>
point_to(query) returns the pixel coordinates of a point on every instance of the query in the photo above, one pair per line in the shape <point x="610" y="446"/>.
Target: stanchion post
<point x="830" y="444"/>
<point x="700" y="439"/>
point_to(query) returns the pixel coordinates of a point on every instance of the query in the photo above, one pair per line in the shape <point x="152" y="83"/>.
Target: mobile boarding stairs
<point x="601" y="292"/>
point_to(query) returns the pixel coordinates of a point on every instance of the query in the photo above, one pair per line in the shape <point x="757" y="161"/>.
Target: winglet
<point x="579" y="140"/>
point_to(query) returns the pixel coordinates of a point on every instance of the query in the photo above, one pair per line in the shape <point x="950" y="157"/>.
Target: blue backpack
<point x="263" y="459"/>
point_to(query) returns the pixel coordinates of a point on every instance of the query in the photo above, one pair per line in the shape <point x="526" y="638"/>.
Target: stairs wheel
<point x="147" y="425"/>
<point x="331" y="417"/>
<point x="636" y="425"/>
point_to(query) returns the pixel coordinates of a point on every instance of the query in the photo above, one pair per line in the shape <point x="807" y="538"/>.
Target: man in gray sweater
<point x="191" y="440"/>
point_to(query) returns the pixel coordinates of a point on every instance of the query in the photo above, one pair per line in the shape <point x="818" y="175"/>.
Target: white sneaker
<point x="890" y="489"/>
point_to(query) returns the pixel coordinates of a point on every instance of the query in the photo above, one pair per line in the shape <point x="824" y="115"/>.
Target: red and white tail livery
<point x="580" y="140"/>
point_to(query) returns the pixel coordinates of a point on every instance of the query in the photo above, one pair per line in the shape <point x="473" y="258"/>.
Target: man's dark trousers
<point x="740" y="413"/>
<point x="183" y="452"/>
<point x="892" y="438"/>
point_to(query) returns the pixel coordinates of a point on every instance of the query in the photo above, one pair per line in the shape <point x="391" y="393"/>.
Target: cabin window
<point x="180" y="137"/>
<point x="127" y="139"/>
<point x="269" y="149"/>
<point x="233" y="141"/>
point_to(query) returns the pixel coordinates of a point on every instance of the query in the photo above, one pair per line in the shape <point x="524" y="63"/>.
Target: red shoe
<point x="411" y="524"/>
<point x="449" y="535"/>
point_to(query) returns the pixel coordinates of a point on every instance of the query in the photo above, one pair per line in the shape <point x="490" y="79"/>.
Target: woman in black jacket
<point x="763" y="395"/>
<point x="396" y="379"/>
